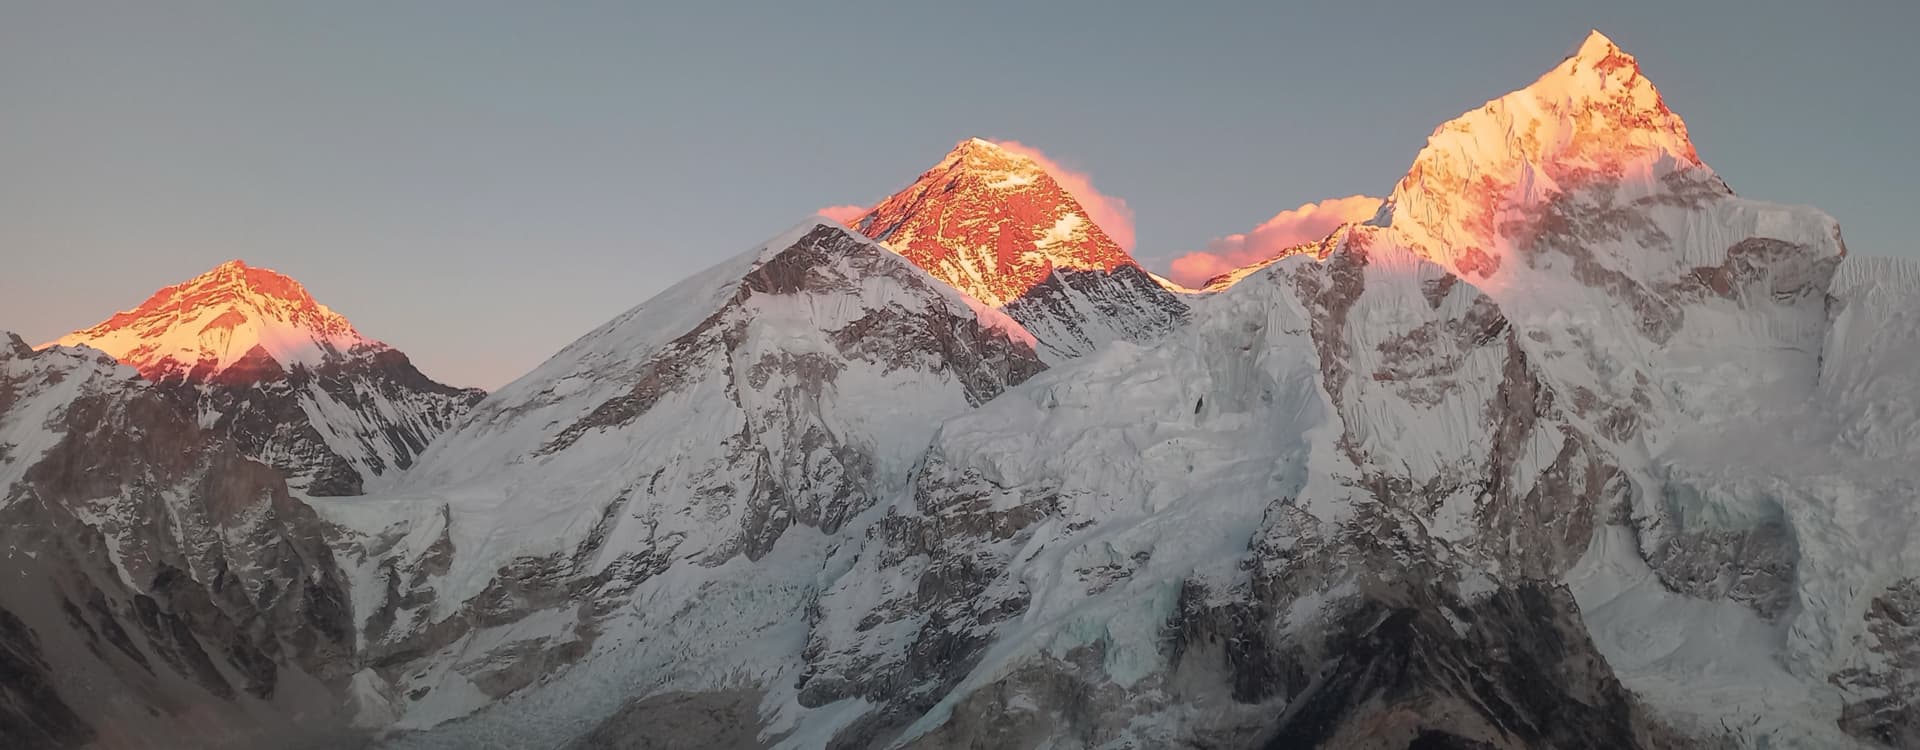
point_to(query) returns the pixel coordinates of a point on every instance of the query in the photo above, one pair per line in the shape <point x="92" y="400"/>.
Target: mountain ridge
<point x="1569" y="447"/>
<point x="287" y="378"/>
<point x="202" y="327"/>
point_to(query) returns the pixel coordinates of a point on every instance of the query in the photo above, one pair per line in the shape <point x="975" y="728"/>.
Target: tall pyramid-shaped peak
<point x="205" y="325"/>
<point x="992" y="222"/>
<point x="1594" y="118"/>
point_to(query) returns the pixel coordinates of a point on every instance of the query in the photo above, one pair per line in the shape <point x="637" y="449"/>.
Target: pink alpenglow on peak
<point x="203" y="327"/>
<point x="845" y="214"/>
<point x="1110" y="213"/>
<point x="1010" y="228"/>
<point x="992" y="220"/>
<point x="1591" y="118"/>
<point x="290" y="381"/>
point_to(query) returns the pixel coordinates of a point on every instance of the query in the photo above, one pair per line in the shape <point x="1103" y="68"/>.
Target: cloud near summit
<point x="1309" y="222"/>
<point x="845" y="214"/>
<point x="1110" y="213"/>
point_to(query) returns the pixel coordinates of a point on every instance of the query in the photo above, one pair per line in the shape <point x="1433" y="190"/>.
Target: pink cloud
<point x="1308" y="223"/>
<point x="1110" y="213"/>
<point x="845" y="214"/>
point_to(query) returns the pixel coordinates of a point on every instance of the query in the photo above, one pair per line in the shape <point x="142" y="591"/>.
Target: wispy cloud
<point x="1309" y="222"/>
<point x="845" y="214"/>
<point x="1110" y="213"/>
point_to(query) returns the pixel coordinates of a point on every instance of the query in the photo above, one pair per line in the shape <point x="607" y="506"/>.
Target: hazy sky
<point x="478" y="183"/>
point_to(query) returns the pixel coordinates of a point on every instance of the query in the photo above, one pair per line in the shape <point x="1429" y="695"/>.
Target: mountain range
<point x="1569" y="447"/>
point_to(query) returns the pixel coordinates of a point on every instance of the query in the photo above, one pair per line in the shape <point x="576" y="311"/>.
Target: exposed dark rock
<point x="721" y="720"/>
<point x="188" y="580"/>
<point x="1752" y="566"/>
<point x="33" y="714"/>
<point x="1884" y="703"/>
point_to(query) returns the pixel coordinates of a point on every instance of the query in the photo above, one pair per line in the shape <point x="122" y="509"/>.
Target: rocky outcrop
<point x="32" y="712"/>
<point x="1886" y="690"/>
<point x="173" y="587"/>
<point x="724" y="720"/>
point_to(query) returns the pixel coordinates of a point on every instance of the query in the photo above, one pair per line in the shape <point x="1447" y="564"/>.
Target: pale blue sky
<point x="478" y="183"/>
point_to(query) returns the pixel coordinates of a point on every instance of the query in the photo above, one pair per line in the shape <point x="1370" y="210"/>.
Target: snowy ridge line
<point x="1891" y="274"/>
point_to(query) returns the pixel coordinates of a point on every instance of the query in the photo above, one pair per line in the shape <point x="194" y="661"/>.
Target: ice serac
<point x="159" y="584"/>
<point x="995" y="225"/>
<point x="658" y="502"/>
<point x="288" y="379"/>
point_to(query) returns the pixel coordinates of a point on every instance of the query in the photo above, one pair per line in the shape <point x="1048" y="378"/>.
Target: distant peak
<point x="240" y="278"/>
<point x="1598" y="47"/>
<point x="992" y="221"/>
<point x="1593" y="117"/>
<point x="982" y="155"/>
<point x="1600" y="64"/>
<point x="984" y="147"/>
<point x="218" y="318"/>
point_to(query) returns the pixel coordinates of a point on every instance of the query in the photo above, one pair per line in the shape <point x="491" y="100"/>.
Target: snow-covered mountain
<point x="1440" y="480"/>
<point x="655" y="502"/>
<point x="286" y="378"/>
<point x="995" y="225"/>
<point x="1570" y="447"/>
<point x="162" y="590"/>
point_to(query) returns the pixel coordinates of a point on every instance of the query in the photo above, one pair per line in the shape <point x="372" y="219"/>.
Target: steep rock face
<point x="1710" y="347"/>
<point x="993" y="224"/>
<point x="287" y="379"/>
<point x="35" y="714"/>
<point x="172" y="590"/>
<point x="1222" y="542"/>
<point x="659" y="497"/>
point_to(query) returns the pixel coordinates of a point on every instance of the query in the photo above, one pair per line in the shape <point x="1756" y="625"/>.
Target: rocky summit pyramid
<point x="289" y="380"/>
<point x="995" y="225"/>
